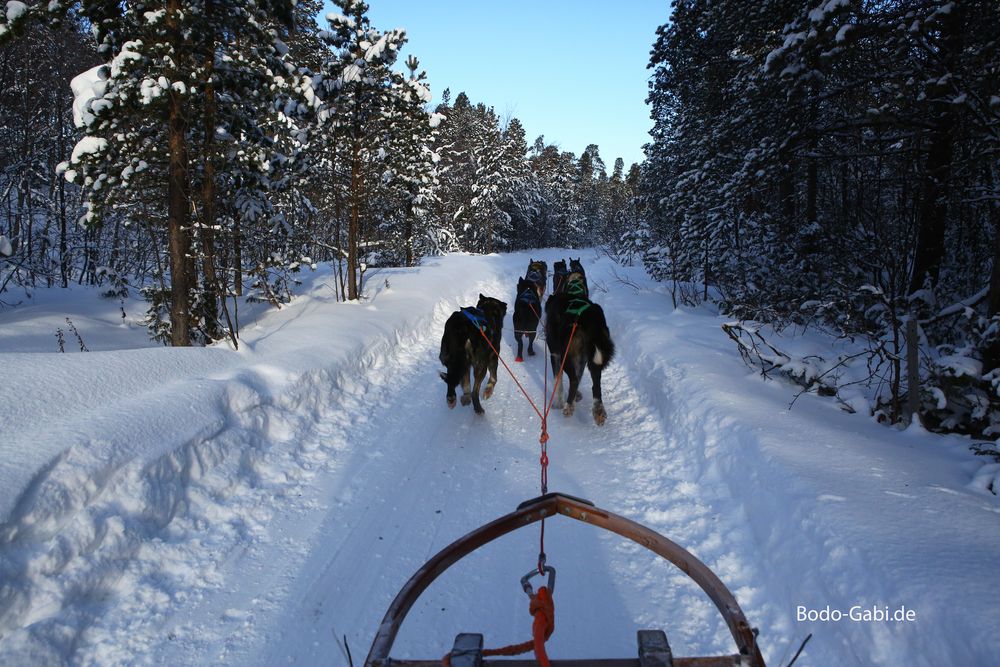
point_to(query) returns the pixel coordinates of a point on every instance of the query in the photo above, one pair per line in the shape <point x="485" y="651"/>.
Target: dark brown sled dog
<point x="591" y="345"/>
<point x="464" y="349"/>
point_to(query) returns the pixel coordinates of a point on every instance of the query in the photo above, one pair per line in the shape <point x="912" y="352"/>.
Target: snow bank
<point x="842" y="511"/>
<point x="128" y="475"/>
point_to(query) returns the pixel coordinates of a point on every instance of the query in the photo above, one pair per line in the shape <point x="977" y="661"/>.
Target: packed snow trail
<point x="334" y="470"/>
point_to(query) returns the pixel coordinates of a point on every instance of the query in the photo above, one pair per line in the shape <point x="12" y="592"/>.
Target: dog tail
<point x="452" y="355"/>
<point x="604" y="347"/>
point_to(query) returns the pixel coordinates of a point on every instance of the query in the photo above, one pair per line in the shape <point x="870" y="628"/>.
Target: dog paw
<point x="531" y="352"/>
<point x="600" y="416"/>
<point x="479" y="410"/>
<point x="579" y="397"/>
<point x="568" y="409"/>
<point x="466" y="399"/>
<point x="451" y="401"/>
<point x="519" y="358"/>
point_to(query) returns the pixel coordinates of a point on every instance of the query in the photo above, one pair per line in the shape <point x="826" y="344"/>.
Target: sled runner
<point x="653" y="649"/>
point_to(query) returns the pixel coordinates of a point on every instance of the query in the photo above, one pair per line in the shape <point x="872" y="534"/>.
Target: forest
<point x="215" y="149"/>
<point x="820" y="165"/>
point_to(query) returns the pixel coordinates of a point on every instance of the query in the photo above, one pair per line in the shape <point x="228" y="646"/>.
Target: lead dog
<point x="576" y="272"/>
<point x="591" y="345"/>
<point x="537" y="274"/>
<point x="559" y="275"/>
<point x="464" y="349"/>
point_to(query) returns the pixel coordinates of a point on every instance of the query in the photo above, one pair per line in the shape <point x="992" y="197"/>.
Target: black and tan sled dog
<point x="464" y="349"/>
<point x="591" y="345"/>
<point x="559" y="275"/>
<point x="527" y="311"/>
<point x="537" y="274"/>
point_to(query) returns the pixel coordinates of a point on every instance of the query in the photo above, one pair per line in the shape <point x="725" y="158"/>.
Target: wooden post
<point x="912" y="369"/>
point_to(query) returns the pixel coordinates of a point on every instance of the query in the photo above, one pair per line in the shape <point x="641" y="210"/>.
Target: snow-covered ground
<point x="257" y="507"/>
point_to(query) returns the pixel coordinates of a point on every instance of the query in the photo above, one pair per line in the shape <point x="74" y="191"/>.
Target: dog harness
<point x="529" y="295"/>
<point x="579" y="302"/>
<point x="476" y="316"/>
<point x="533" y="276"/>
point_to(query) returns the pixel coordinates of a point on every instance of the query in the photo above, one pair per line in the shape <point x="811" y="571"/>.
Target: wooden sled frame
<point x="551" y="505"/>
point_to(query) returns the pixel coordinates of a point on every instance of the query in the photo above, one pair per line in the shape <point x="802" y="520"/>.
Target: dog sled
<point x="653" y="650"/>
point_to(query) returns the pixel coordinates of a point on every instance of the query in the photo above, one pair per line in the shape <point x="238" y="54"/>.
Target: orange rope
<point x="490" y="343"/>
<point x="559" y="375"/>
<point x="541" y="606"/>
<point x="543" y="610"/>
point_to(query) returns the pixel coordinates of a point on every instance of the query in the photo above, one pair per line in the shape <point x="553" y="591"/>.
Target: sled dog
<point x="465" y="350"/>
<point x="591" y="345"/>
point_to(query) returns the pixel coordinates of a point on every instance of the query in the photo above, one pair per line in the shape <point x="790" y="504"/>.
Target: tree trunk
<point x="991" y="356"/>
<point x="932" y="215"/>
<point x="210" y="310"/>
<point x="63" y="244"/>
<point x="408" y="234"/>
<point x="354" y="222"/>
<point x="237" y="256"/>
<point x="786" y="195"/>
<point x="178" y="200"/>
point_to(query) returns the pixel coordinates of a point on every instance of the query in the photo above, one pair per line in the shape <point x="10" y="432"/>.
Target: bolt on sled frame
<point x="654" y="651"/>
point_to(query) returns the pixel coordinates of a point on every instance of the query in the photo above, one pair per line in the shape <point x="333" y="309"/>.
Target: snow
<point x="252" y="507"/>
<point x="818" y="14"/>
<point x="86" y="146"/>
<point x="6" y="249"/>
<point x="150" y="90"/>
<point x="15" y="10"/>
<point x="130" y="51"/>
<point x="87" y="87"/>
<point x="334" y="17"/>
<point x="351" y="73"/>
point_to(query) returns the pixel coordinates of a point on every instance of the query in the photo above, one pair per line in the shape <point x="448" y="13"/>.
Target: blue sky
<point x="572" y="70"/>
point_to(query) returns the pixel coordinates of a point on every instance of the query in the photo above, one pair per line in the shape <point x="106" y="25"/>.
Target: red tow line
<point x="541" y="607"/>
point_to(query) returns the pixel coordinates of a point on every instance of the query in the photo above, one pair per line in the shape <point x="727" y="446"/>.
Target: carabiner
<point x="526" y="583"/>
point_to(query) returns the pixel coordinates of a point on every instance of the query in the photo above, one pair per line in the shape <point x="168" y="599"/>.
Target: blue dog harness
<point x="529" y="295"/>
<point x="476" y="316"/>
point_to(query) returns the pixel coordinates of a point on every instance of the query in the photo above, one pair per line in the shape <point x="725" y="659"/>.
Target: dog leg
<point x="600" y="416"/>
<point x="449" y="393"/>
<point x="476" y="405"/>
<point x="494" y="360"/>
<point x="466" y="388"/>
<point x="574" y="387"/>
<point x="579" y="380"/>
<point x="520" y="348"/>
<point x="557" y="400"/>
<point x="531" y="345"/>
